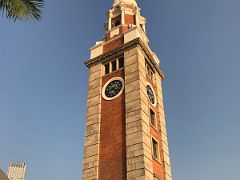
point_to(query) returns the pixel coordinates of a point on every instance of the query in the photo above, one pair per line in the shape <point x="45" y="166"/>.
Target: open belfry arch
<point x="126" y="136"/>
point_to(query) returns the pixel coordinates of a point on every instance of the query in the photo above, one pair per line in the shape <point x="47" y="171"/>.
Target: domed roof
<point x="126" y="1"/>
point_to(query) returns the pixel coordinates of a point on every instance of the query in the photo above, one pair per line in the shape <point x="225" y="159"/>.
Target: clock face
<point x="113" y="88"/>
<point x="150" y="94"/>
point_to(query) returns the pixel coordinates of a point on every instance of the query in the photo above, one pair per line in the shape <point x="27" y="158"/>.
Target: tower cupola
<point x="123" y="16"/>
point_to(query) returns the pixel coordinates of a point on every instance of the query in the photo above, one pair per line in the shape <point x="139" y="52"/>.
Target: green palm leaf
<point x="22" y="9"/>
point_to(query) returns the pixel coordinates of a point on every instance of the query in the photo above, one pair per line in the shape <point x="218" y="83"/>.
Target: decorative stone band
<point x="120" y="50"/>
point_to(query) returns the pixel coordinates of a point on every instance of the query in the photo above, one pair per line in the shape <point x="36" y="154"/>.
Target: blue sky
<point x="43" y="85"/>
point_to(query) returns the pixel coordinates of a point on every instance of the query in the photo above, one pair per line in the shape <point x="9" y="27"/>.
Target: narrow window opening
<point x="107" y="68"/>
<point x="117" y="23"/>
<point x="152" y="118"/>
<point x="155" y="149"/>
<point x="149" y="72"/>
<point x="121" y="62"/>
<point x="114" y="65"/>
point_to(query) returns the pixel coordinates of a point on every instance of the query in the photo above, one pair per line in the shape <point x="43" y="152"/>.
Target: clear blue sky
<point x="43" y="85"/>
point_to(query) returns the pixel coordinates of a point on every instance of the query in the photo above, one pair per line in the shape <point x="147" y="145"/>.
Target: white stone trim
<point x="155" y="99"/>
<point x="104" y="88"/>
<point x="110" y="21"/>
<point x="135" y="32"/>
<point x="96" y="50"/>
<point x="122" y="15"/>
<point x="114" y="32"/>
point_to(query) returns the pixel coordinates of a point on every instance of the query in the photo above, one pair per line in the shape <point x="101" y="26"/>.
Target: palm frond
<point x="22" y="9"/>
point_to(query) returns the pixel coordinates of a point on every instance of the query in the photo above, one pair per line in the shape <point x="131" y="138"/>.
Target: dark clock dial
<point x="150" y="94"/>
<point x="113" y="88"/>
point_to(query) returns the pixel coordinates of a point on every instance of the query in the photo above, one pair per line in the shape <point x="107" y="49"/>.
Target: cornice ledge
<point x="149" y="55"/>
<point x="113" y="53"/>
<point x="117" y="52"/>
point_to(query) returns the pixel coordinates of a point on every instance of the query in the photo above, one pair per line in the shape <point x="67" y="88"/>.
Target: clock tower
<point x="126" y="136"/>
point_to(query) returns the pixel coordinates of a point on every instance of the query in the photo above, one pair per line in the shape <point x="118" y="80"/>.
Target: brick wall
<point x="112" y="45"/>
<point x="129" y="6"/>
<point x="130" y="19"/>
<point x="112" y="136"/>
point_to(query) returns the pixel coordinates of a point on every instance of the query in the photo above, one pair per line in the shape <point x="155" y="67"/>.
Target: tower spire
<point x="125" y="1"/>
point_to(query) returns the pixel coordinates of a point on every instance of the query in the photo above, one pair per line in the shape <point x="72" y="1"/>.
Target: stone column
<point x="138" y="141"/>
<point x="109" y="21"/>
<point x="92" y="135"/>
<point x="122" y="15"/>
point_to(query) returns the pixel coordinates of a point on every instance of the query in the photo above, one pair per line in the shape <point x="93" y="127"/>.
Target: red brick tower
<point x="126" y="135"/>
